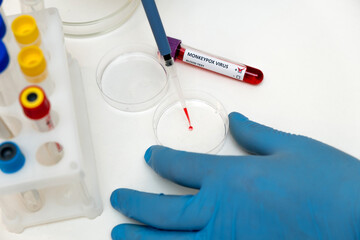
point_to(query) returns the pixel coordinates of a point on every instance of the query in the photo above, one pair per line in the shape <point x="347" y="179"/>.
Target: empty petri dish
<point x="208" y="118"/>
<point x="83" y="18"/>
<point x="132" y="78"/>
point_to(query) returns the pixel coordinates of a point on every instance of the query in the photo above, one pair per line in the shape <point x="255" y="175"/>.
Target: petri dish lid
<point x="83" y="18"/>
<point x="132" y="78"/>
<point x="208" y="118"/>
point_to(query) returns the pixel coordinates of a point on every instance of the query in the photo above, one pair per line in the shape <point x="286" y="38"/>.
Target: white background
<point x="308" y="50"/>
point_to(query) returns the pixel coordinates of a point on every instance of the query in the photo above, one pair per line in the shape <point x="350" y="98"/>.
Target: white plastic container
<point x="60" y="189"/>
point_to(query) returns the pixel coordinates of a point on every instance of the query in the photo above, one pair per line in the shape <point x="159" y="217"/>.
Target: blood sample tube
<point x="34" y="67"/>
<point x="215" y="64"/>
<point x="36" y="107"/>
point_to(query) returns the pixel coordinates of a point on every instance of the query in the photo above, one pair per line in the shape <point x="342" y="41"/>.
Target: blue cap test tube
<point x="11" y="158"/>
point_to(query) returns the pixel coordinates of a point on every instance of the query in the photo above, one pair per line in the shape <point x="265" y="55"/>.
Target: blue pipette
<point x="157" y="28"/>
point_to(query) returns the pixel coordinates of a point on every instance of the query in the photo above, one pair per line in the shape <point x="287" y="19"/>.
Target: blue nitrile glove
<point x="292" y="188"/>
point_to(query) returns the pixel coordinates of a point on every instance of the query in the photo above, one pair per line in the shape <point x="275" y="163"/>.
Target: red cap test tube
<point x="36" y="107"/>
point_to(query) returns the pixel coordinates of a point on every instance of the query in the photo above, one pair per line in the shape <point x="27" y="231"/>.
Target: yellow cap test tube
<point x="34" y="67"/>
<point x="26" y="31"/>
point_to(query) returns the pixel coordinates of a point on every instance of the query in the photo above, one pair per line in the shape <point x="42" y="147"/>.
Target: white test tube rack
<point x="69" y="188"/>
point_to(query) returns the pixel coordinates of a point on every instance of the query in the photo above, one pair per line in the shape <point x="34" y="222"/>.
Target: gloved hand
<point x="293" y="187"/>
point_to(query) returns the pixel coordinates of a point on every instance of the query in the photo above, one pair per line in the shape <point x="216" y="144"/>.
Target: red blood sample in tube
<point x="215" y="64"/>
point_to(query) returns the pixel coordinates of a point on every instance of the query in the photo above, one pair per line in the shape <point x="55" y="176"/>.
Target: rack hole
<point x="10" y="127"/>
<point x="50" y="153"/>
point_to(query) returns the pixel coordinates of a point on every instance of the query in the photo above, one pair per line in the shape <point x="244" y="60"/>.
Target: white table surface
<point x="308" y="50"/>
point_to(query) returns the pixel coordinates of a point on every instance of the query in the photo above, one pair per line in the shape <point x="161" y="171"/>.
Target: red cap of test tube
<point x="34" y="102"/>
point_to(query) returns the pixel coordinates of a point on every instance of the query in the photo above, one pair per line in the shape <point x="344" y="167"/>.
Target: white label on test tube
<point x="220" y="66"/>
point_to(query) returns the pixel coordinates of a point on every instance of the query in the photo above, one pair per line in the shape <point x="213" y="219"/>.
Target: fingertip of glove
<point x="237" y="117"/>
<point x="118" y="233"/>
<point x="127" y="231"/>
<point x="114" y="198"/>
<point x="148" y="153"/>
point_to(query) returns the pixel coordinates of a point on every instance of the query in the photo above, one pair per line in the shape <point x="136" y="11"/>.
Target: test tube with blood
<point x="222" y="66"/>
<point x="36" y="107"/>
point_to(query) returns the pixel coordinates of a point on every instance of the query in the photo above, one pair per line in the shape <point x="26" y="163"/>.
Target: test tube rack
<point x="68" y="189"/>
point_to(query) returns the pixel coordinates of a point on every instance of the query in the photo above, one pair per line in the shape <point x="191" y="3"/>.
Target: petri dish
<point x="83" y="18"/>
<point x="132" y="78"/>
<point x="208" y="118"/>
